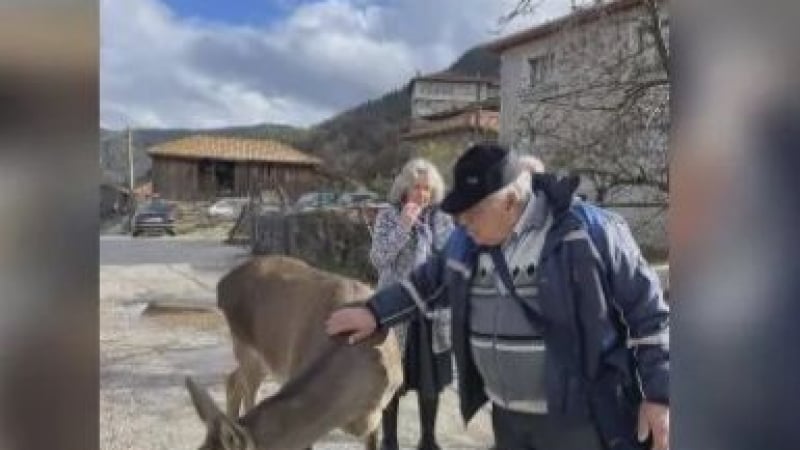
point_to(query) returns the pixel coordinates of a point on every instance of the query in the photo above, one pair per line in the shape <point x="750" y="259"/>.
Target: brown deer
<point x="276" y="309"/>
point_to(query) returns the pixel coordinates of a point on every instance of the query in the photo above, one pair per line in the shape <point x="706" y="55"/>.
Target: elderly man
<point x="557" y="319"/>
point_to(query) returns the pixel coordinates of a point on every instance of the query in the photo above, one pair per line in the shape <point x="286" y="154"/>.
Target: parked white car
<point x="350" y="199"/>
<point x="227" y="208"/>
<point x="316" y="200"/>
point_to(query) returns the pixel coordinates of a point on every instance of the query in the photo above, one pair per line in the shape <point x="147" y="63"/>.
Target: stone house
<point x="589" y="92"/>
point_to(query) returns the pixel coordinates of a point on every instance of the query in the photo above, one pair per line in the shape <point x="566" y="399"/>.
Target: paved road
<point x="144" y="358"/>
<point x="126" y="251"/>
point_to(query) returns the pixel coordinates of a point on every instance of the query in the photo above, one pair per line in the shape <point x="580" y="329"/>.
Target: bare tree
<point x="597" y="101"/>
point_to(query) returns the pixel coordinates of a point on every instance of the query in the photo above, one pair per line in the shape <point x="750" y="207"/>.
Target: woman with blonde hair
<point x="405" y="235"/>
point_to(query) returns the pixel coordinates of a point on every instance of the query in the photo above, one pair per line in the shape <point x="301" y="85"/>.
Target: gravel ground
<point x="147" y="352"/>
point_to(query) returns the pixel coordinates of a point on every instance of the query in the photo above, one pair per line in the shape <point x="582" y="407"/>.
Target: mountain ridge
<point x="363" y="141"/>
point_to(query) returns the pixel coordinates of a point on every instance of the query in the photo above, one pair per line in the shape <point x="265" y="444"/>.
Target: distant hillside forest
<point x="361" y="143"/>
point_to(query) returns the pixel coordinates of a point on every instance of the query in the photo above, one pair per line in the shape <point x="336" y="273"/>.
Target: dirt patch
<point x="183" y="314"/>
<point x="199" y="321"/>
<point x="173" y="307"/>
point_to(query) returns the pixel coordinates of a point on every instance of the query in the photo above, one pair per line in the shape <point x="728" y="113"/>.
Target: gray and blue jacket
<point x="604" y="320"/>
<point x="507" y="348"/>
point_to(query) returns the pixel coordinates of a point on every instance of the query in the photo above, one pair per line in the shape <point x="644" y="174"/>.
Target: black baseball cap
<point x="482" y="170"/>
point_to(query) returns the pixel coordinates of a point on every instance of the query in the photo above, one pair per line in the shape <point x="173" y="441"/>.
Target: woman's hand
<point x="409" y="215"/>
<point x="356" y="321"/>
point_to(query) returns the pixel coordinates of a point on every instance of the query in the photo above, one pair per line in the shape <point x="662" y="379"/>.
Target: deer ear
<point x="203" y="403"/>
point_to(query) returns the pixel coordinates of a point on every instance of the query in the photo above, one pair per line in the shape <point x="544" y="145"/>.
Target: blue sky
<point x="214" y="63"/>
<point x="250" y="12"/>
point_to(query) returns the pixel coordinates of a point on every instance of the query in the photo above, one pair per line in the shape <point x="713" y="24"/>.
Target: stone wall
<point x="337" y="240"/>
<point x="649" y="228"/>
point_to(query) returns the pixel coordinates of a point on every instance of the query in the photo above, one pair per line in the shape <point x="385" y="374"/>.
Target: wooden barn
<point x="207" y="167"/>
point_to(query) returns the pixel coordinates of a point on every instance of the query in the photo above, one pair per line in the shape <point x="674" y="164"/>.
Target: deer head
<point x="223" y="433"/>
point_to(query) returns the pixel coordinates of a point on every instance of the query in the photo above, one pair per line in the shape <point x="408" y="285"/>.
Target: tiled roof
<point x="489" y="122"/>
<point x="233" y="149"/>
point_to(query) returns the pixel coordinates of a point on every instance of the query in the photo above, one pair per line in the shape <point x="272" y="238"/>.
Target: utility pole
<point x="130" y="162"/>
<point x="131" y="198"/>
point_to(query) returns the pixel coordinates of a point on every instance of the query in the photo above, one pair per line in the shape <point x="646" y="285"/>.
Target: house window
<point x="643" y="34"/>
<point x="541" y="69"/>
<point x="665" y="28"/>
<point x="443" y="89"/>
<point x="642" y="38"/>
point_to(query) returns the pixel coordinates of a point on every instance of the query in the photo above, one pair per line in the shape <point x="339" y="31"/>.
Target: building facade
<point x="445" y="91"/>
<point x="443" y="137"/>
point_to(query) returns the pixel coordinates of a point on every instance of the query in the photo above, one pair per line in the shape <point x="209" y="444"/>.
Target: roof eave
<point x="235" y="160"/>
<point x="430" y="133"/>
<point x="500" y="45"/>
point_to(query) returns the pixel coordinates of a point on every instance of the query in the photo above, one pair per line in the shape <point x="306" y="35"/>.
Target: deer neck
<point x="285" y="423"/>
<point x="302" y="411"/>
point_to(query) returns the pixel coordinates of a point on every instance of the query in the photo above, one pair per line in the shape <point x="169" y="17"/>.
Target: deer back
<point x="278" y="306"/>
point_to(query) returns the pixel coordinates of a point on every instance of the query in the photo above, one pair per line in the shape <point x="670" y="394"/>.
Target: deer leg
<point x="389" y="424"/>
<point x="233" y="393"/>
<point x="236" y="385"/>
<point x="254" y="375"/>
<point x="371" y="443"/>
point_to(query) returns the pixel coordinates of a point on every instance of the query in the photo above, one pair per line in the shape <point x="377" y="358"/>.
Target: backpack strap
<point x="590" y="216"/>
<point x="532" y="311"/>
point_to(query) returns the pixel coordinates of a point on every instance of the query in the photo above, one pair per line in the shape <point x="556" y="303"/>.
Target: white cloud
<point x="158" y="69"/>
<point x="148" y="77"/>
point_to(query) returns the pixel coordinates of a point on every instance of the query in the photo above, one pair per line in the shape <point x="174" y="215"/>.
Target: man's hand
<point x="654" y="418"/>
<point x="356" y="321"/>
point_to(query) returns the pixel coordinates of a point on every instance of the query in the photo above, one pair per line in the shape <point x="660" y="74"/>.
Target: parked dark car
<point x="154" y="216"/>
